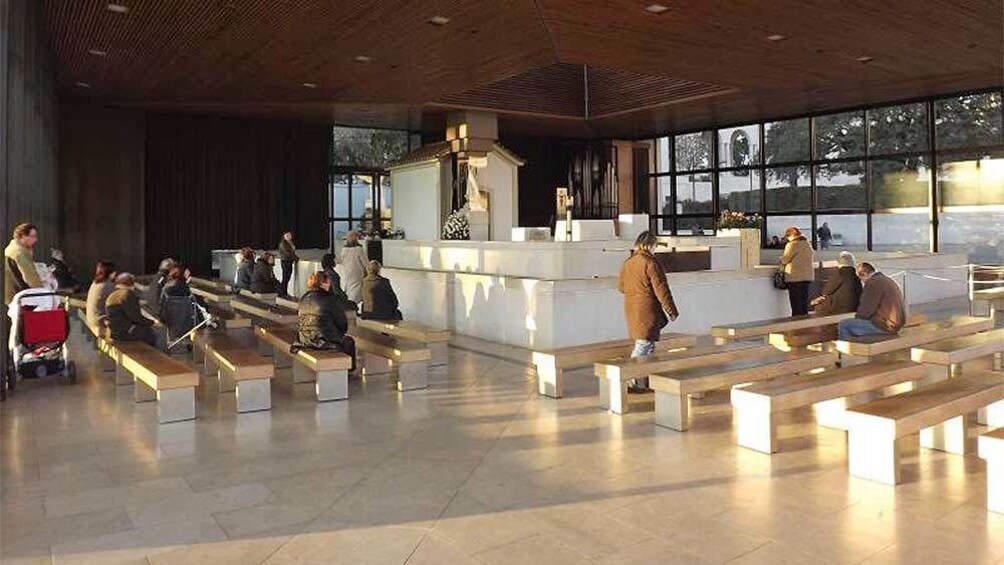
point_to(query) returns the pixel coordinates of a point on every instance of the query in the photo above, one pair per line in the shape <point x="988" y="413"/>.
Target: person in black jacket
<point x="244" y="269"/>
<point x="288" y="258"/>
<point x="379" y="300"/>
<point x="125" y="319"/>
<point x="321" y="322"/>
<point x="842" y="290"/>
<point x="176" y="284"/>
<point x="263" y="279"/>
<point x="328" y="267"/>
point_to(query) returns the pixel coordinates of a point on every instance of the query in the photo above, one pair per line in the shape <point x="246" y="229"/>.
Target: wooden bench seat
<point x="942" y="413"/>
<point x="821" y="334"/>
<point x="982" y="351"/>
<point x="994" y="299"/>
<point x="238" y="369"/>
<point x="215" y="292"/>
<point x="157" y="376"/>
<point x="762" y="328"/>
<point x="228" y="319"/>
<point x="294" y="304"/>
<point x="991" y="448"/>
<point x="615" y="373"/>
<point x="266" y="297"/>
<point x="673" y="389"/>
<point x="756" y="405"/>
<point x="380" y="352"/>
<point x="437" y="339"/>
<point x="263" y="312"/>
<point x="551" y="363"/>
<point x="327" y="369"/>
<point x="912" y="336"/>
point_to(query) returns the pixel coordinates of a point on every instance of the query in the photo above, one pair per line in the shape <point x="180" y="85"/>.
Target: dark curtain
<point x="220" y="183"/>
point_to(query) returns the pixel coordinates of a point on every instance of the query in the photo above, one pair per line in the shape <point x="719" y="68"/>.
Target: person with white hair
<point x="842" y="290"/>
<point x="353" y="267"/>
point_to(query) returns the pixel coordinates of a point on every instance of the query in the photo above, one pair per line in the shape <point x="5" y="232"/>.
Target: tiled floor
<point x="477" y="469"/>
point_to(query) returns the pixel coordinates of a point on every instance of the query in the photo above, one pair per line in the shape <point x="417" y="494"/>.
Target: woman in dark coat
<point x="379" y="300"/>
<point x="647" y="300"/>
<point x="263" y="279"/>
<point x="321" y="322"/>
<point x="842" y="290"/>
<point x="328" y="267"/>
<point x="244" y="269"/>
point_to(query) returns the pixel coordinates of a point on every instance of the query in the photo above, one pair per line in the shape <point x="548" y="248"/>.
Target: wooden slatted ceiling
<point x="613" y="91"/>
<point x="555" y="90"/>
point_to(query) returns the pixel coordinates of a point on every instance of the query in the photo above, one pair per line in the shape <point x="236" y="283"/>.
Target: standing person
<point x="354" y="262"/>
<point x="881" y="310"/>
<point x="263" y="276"/>
<point x="824" y="235"/>
<point x="244" y="269"/>
<point x="125" y="319"/>
<point x="379" y="300"/>
<point x="842" y="290"/>
<point x="61" y="271"/>
<point x="320" y="319"/>
<point x="287" y="257"/>
<point x="647" y="301"/>
<point x="796" y="262"/>
<point x="19" y="262"/>
<point x="102" y="285"/>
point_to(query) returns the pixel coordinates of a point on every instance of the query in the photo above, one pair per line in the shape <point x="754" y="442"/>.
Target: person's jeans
<point x="642" y="348"/>
<point x="287" y="273"/>
<point x="857" y="327"/>
<point x="798" y="298"/>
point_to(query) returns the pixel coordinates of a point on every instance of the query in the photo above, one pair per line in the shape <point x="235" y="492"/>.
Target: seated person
<point x="328" y="266"/>
<point x="61" y="271"/>
<point x="842" y="290"/>
<point x="176" y="283"/>
<point x="263" y="279"/>
<point x="125" y="319"/>
<point x="244" y="269"/>
<point x="321" y="322"/>
<point x="102" y="285"/>
<point x="880" y="310"/>
<point x="379" y="300"/>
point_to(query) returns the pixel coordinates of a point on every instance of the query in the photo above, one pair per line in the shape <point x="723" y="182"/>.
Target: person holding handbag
<point x="796" y="264"/>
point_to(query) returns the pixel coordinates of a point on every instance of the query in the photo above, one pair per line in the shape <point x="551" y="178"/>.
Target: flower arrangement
<point x="457" y="225"/>
<point x="737" y="220"/>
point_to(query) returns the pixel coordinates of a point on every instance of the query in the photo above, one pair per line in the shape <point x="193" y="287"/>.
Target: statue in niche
<point x="477" y="199"/>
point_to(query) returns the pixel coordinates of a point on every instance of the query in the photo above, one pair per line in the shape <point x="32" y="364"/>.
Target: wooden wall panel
<point x="101" y="186"/>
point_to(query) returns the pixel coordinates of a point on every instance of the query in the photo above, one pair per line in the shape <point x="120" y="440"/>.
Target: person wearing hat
<point x="842" y="290"/>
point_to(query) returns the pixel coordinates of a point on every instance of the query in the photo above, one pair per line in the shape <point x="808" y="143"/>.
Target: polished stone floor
<point x="476" y="469"/>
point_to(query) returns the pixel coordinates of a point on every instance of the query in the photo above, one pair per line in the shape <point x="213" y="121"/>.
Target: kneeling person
<point x="880" y="309"/>
<point x="125" y="319"/>
<point x="379" y="300"/>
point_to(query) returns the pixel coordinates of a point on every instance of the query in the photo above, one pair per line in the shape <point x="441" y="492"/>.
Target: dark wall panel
<point x="101" y="186"/>
<point x="222" y="183"/>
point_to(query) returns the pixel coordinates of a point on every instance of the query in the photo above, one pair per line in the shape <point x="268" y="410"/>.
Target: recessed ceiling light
<point x="310" y="85"/>
<point x="655" y="8"/>
<point x="97" y="52"/>
<point x="776" y="37"/>
<point x="865" y="59"/>
<point x="439" y="20"/>
<point x="117" y="8"/>
<point x="81" y="85"/>
<point x="363" y="59"/>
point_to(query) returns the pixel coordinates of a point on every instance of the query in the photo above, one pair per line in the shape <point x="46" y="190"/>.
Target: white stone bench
<point x="982" y="351"/>
<point x="238" y="369"/>
<point x="991" y="448"/>
<point x="994" y="299"/>
<point x="909" y="337"/>
<point x="942" y="413"/>
<point x="755" y="406"/>
<point x="159" y="377"/>
<point x="673" y="390"/>
<point x="437" y="339"/>
<point x="615" y="373"/>
<point x="763" y="328"/>
<point x="380" y="353"/>
<point x="327" y="369"/>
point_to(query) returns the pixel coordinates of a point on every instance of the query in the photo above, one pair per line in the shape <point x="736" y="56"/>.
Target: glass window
<point x="978" y="233"/>
<point x="362" y="147"/>
<point x="739" y="190"/>
<point x="788" y="189"/>
<point x="739" y="147"/>
<point x="900" y="183"/>
<point x="786" y="142"/>
<point x="839" y="135"/>
<point x="340" y="196"/>
<point x="897" y="129"/>
<point x="971" y="181"/>
<point x="704" y="225"/>
<point x="968" y="121"/>
<point x="848" y="232"/>
<point x="900" y="232"/>
<point x="662" y="155"/>
<point x="386" y="202"/>
<point x="693" y="193"/>
<point x="776" y="225"/>
<point x="663" y="203"/>
<point x="694" y="151"/>
<point x="339" y="229"/>
<point x="841" y="186"/>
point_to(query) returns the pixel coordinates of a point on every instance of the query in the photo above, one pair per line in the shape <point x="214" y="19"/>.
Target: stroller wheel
<point x="71" y="372"/>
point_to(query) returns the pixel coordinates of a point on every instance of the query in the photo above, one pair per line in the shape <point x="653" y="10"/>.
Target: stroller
<point x="39" y="330"/>
<point x="182" y="316"/>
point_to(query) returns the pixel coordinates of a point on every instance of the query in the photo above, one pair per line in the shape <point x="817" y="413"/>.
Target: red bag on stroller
<point x="43" y="326"/>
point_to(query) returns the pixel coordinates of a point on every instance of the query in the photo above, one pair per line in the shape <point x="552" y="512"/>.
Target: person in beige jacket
<point x="796" y="262"/>
<point x="19" y="262"/>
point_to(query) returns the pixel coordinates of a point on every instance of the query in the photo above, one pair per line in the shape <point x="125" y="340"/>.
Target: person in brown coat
<point x="881" y="310"/>
<point x="842" y="290"/>
<point x="647" y="301"/>
<point x="796" y="262"/>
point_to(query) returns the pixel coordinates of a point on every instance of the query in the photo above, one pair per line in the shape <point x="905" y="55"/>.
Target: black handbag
<point x="779" y="281"/>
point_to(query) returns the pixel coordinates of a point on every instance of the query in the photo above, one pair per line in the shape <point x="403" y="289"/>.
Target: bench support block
<point x="302" y="373"/>
<point x="672" y="411"/>
<point x="549" y="378"/>
<point x="992" y="416"/>
<point x="614" y="395"/>
<point x="995" y="485"/>
<point x="253" y="395"/>
<point x="176" y="405"/>
<point x="141" y="392"/>
<point x="950" y="436"/>
<point x="440" y="353"/>
<point x="280" y="359"/>
<point x="873" y="452"/>
<point x="332" y="385"/>
<point x="374" y="364"/>
<point x="226" y="380"/>
<point x="413" y="375"/>
<point x="108" y="364"/>
<point x="122" y="375"/>
<point x="265" y="349"/>
<point x="756" y="425"/>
